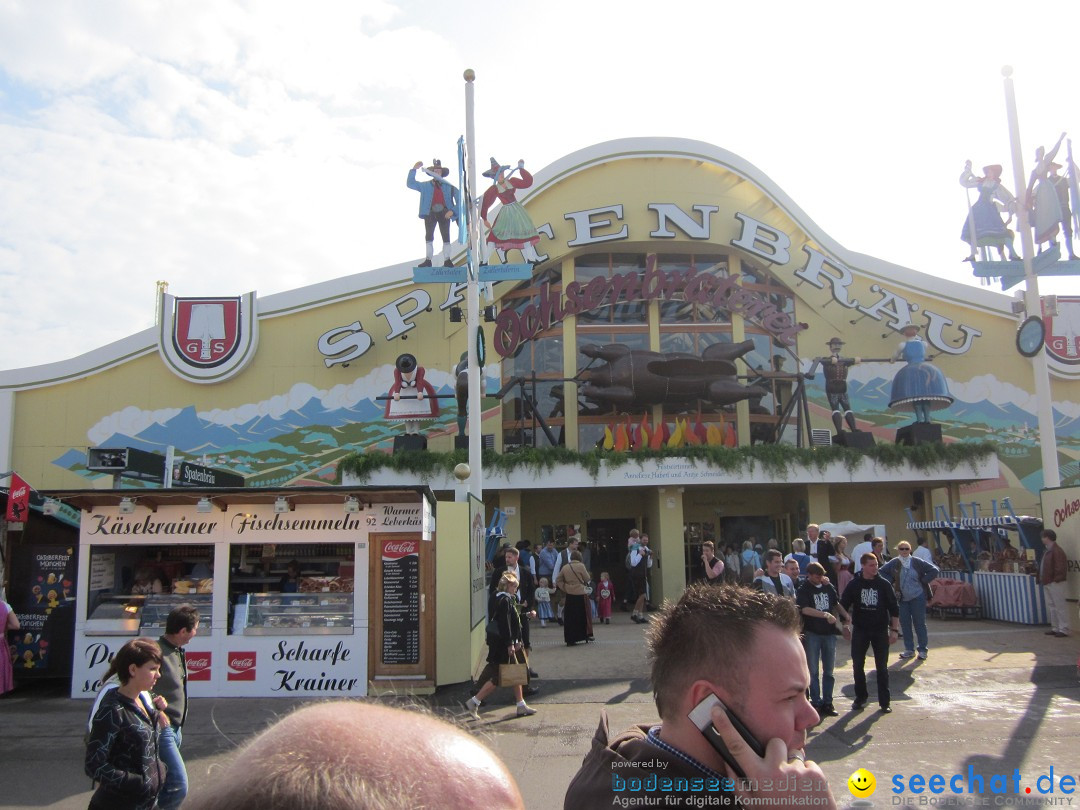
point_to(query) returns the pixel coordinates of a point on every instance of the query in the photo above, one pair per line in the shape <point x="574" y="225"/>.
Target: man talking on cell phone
<point x="754" y="663"/>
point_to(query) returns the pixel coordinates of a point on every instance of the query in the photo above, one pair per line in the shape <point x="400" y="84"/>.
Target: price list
<point x="401" y="607"/>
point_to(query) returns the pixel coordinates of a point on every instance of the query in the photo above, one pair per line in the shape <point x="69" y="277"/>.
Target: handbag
<point x="585" y="583"/>
<point x="515" y="673"/>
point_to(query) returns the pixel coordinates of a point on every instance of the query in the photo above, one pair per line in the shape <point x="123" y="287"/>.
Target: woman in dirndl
<point x="512" y="229"/>
<point x="504" y="642"/>
<point x="919" y="386"/>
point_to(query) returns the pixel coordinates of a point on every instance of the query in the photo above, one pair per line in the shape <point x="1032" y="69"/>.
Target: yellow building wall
<point x="454" y="661"/>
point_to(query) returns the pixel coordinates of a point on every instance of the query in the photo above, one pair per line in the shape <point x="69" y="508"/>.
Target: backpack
<point x="749" y="566"/>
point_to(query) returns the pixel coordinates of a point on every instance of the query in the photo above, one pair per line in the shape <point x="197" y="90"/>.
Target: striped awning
<point x="999" y="522"/>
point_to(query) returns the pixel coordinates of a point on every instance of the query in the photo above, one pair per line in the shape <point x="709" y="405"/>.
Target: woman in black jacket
<point x="122" y="750"/>
<point x="504" y="641"/>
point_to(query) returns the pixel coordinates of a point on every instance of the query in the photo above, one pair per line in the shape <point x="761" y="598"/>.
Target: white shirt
<point x="559" y="563"/>
<point x="865" y="547"/>
<point x="923" y="553"/>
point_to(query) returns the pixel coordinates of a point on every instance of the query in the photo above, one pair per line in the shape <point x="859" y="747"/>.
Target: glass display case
<point x="116" y="615"/>
<point x="275" y="614"/>
<point x="156" y="609"/>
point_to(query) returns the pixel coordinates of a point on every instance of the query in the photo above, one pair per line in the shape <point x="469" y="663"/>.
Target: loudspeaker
<point x="410" y="441"/>
<point x="919" y="433"/>
<point x="487" y="441"/>
<point x="854" y="438"/>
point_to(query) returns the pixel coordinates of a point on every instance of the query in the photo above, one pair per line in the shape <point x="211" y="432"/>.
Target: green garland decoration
<point x="777" y="459"/>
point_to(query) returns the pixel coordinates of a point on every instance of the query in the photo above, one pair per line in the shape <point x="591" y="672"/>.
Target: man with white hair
<point x="349" y="753"/>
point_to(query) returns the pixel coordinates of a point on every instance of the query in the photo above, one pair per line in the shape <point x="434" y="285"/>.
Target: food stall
<point x="982" y="552"/>
<point x="281" y="579"/>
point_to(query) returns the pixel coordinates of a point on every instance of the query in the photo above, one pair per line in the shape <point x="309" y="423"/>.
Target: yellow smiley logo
<point x="862" y="784"/>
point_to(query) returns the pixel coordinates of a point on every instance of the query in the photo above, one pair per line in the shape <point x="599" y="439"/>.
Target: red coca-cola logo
<point x="241" y="666"/>
<point x="198" y="665"/>
<point x="400" y="548"/>
<point x="18" y="492"/>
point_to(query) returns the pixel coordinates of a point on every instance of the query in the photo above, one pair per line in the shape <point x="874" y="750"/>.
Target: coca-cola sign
<point x="241" y="666"/>
<point x="198" y="665"/>
<point x="396" y="549"/>
<point x="18" y="500"/>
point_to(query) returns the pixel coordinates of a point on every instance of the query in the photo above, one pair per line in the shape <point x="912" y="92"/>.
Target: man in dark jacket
<point x="875" y="620"/>
<point x="1053" y="572"/>
<point x="755" y="664"/>
<point x="180" y="628"/>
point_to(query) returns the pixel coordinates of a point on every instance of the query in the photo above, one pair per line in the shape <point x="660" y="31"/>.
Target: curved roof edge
<point x="368" y="281"/>
<point x="145" y="342"/>
<point x="894" y="275"/>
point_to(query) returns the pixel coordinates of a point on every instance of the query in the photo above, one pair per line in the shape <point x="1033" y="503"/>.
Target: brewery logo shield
<point x="208" y="340"/>
<point x="1063" y="331"/>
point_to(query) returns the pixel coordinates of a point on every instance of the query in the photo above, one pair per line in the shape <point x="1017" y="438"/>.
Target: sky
<point x="232" y="146"/>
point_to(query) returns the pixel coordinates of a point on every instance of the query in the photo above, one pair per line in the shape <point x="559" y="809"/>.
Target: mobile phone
<point x="701" y="716"/>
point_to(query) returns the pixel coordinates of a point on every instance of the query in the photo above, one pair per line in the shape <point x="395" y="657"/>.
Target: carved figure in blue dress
<point x="984" y="227"/>
<point x="919" y="386"/>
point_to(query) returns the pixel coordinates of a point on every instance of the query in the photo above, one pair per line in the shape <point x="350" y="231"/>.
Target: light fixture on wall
<point x="204" y="505"/>
<point x="456" y="315"/>
<point x="126" y="507"/>
<point x="282" y="504"/>
<point x="352" y="505"/>
<point x="51" y="506"/>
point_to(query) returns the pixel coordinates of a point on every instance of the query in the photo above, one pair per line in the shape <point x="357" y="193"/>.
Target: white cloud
<point x="130" y="421"/>
<point x="226" y="146"/>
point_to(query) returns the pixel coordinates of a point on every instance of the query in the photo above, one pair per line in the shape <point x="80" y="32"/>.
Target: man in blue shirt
<point x="438" y="206"/>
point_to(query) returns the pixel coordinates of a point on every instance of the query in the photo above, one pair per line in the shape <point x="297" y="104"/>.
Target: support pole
<point x="1047" y="435"/>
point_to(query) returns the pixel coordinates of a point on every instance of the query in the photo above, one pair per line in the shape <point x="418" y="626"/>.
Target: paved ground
<point x="992" y="696"/>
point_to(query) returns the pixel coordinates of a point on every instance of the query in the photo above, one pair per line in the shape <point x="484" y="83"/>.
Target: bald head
<point x="347" y="755"/>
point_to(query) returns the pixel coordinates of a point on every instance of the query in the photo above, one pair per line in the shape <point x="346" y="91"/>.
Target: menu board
<point x="102" y="572"/>
<point x="401" y="601"/>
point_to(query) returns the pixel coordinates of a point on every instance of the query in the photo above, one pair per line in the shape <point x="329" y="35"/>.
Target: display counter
<point x="266" y="614"/>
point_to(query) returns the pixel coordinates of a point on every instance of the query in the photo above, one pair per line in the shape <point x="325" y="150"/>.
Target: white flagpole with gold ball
<point x="476" y="469"/>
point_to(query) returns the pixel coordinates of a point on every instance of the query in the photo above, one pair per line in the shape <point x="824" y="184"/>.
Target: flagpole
<point x="472" y="292"/>
<point x="1032" y="303"/>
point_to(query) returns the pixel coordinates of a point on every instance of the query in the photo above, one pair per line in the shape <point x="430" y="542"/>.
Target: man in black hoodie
<point x="755" y="664"/>
<point x="875" y="622"/>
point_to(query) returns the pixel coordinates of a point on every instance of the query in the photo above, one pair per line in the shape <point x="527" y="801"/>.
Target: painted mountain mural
<point x="298" y="436"/>
<point x="290" y="439"/>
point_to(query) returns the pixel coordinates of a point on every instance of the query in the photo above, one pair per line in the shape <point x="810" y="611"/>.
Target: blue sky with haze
<point x="228" y="146"/>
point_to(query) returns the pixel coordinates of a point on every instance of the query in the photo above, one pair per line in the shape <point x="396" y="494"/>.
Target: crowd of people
<point x="785" y="626"/>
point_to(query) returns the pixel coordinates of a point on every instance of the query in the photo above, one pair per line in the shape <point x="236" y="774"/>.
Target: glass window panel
<point x="752" y="274"/>
<point x="590" y="436"/>
<point x="627" y="262"/>
<point x="677" y="342"/>
<point x="551" y="274"/>
<point x="591" y="266"/>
